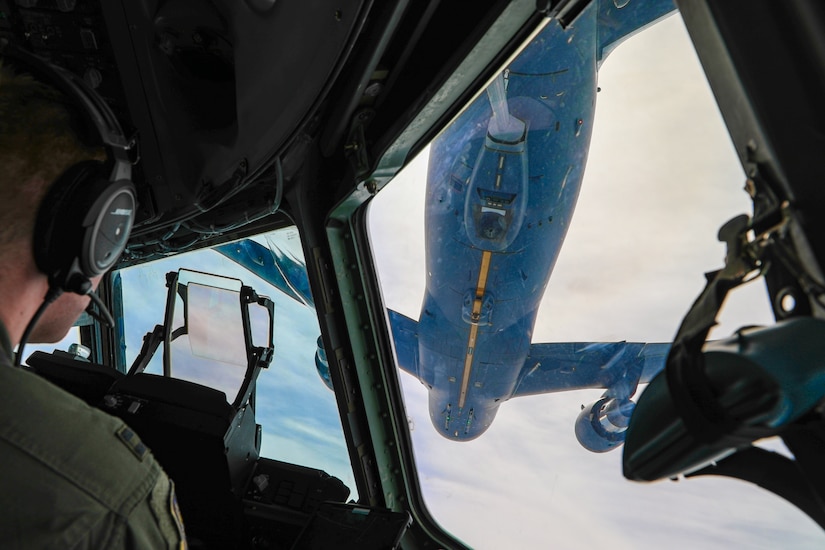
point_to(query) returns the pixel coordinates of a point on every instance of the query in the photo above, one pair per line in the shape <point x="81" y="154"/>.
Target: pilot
<point x="71" y="476"/>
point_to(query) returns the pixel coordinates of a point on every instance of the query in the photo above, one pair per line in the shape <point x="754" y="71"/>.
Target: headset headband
<point x="108" y="131"/>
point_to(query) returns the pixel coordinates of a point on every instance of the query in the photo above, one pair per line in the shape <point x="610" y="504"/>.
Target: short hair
<point x="37" y="144"/>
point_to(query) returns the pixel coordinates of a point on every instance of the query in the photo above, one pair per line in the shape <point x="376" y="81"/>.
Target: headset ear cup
<point x="83" y="224"/>
<point x="56" y="239"/>
<point x="106" y="228"/>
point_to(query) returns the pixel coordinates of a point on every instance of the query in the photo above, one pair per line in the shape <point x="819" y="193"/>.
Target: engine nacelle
<point x="601" y="426"/>
<point x="322" y="364"/>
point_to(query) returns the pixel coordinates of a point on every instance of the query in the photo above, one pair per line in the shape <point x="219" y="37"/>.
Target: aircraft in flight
<point x="502" y="185"/>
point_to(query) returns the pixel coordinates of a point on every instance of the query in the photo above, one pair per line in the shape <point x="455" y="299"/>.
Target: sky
<point x="662" y="177"/>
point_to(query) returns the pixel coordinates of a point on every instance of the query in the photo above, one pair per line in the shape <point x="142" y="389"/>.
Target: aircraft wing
<point x="283" y="271"/>
<point x="620" y="19"/>
<point x="579" y="365"/>
<point x="557" y="367"/>
<point x="405" y="336"/>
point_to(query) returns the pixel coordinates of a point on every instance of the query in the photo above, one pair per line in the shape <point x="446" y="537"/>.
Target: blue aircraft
<point x="502" y="185"/>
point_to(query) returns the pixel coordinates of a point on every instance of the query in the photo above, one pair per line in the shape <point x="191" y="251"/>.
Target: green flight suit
<point x="72" y="476"/>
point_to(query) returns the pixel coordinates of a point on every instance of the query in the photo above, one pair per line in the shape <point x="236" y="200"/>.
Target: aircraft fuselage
<point x="497" y="213"/>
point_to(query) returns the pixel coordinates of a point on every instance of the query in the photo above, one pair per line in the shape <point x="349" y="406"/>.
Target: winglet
<point x="405" y="336"/>
<point x="621" y="19"/>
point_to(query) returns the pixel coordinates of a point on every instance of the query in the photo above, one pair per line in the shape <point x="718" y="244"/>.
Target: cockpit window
<point x="516" y="440"/>
<point x="297" y="412"/>
<point x="495" y="199"/>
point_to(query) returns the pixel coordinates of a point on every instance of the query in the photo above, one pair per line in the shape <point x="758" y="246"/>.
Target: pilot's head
<point x="37" y="144"/>
<point x="56" y="195"/>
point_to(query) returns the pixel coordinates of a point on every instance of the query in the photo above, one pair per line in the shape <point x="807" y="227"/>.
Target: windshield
<point x="297" y="412"/>
<point x="661" y="178"/>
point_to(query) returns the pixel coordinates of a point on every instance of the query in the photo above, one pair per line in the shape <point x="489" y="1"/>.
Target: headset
<point x="84" y="221"/>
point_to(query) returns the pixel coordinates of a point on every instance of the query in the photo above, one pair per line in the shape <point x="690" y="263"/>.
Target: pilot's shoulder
<point x="58" y="444"/>
<point x="39" y="415"/>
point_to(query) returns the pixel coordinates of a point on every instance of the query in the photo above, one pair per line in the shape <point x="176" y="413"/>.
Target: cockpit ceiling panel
<point x="216" y="88"/>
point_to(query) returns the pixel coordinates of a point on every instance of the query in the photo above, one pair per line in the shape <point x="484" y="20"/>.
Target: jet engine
<point x="601" y="426"/>
<point x="322" y="364"/>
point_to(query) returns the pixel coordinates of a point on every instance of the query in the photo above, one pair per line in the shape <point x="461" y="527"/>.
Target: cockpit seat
<point x="88" y="381"/>
<point x="156" y="398"/>
<point x="199" y="439"/>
